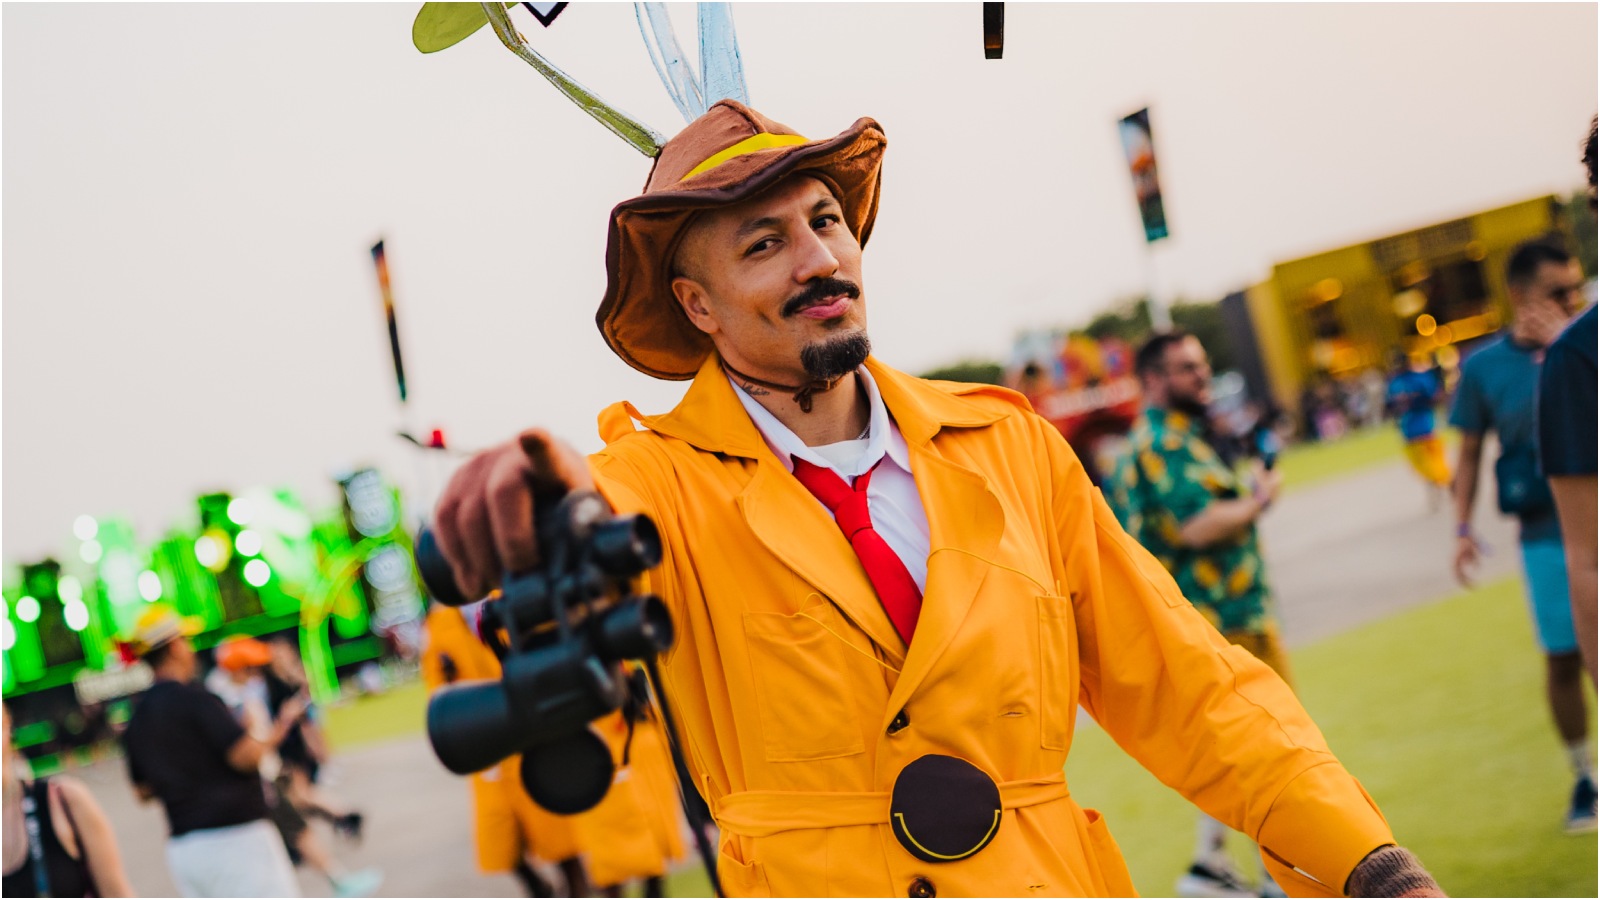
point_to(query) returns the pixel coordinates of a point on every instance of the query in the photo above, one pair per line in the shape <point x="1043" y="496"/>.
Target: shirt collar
<point x="885" y="438"/>
<point x="1171" y="420"/>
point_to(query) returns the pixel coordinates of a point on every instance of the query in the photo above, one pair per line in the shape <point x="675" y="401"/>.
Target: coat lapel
<point x="965" y="519"/>
<point x="796" y="529"/>
<point x="781" y="513"/>
<point x="965" y="522"/>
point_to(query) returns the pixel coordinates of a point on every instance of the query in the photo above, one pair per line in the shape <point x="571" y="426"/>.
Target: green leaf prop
<point x="441" y="25"/>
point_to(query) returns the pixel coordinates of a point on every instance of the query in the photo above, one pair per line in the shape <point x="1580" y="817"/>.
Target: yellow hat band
<point x="762" y="141"/>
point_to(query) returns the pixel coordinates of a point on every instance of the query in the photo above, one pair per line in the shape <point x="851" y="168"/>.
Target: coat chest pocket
<point x="802" y="685"/>
<point x="1058" y="663"/>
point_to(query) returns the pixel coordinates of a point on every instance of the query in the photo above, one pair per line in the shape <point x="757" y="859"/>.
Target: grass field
<point x="378" y="717"/>
<point x="1305" y="464"/>
<point x="1438" y="710"/>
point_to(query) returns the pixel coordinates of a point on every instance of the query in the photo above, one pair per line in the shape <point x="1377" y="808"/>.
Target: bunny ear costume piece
<point x="721" y="68"/>
<point x="676" y="73"/>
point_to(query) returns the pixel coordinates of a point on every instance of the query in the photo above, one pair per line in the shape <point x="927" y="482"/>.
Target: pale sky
<point x="190" y="192"/>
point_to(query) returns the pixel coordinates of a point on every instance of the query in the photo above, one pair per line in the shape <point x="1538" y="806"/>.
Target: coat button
<point x="901" y="720"/>
<point x="921" y="887"/>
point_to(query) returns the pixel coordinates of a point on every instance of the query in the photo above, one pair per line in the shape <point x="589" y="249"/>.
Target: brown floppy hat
<point x="728" y="155"/>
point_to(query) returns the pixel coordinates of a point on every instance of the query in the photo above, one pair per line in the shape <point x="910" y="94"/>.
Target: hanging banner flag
<point x="1140" y="149"/>
<point x="382" y="264"/>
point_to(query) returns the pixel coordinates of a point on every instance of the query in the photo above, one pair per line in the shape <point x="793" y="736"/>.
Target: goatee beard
<point x="836" y="356"/>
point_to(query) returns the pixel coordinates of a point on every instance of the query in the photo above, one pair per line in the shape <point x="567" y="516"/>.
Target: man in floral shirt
<point x="1193" y="513"/>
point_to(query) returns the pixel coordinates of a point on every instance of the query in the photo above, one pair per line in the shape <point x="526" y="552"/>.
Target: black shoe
<point x="348" y="825"/>
<point x="1581" y="814"/>
<point x="1213" y="881"/>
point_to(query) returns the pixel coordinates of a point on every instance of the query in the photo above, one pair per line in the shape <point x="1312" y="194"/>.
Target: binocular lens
<point x="638" y="628"/>
<point x="571" y="775"/>
<point x="435" y="572"/>
<point x="626" y="545"/>
<point x="470" y="726"/>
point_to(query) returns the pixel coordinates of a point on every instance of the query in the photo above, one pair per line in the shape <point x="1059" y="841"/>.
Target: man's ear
<point x="691" y="296"/>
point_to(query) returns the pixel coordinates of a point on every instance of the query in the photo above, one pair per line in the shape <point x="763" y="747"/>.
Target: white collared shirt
<point x="893" y="500"/>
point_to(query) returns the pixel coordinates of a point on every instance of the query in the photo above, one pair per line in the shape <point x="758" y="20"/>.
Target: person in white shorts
<point x="184" y="749"/>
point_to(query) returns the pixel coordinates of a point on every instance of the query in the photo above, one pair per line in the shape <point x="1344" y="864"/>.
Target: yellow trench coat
<point x="787" y="674"/>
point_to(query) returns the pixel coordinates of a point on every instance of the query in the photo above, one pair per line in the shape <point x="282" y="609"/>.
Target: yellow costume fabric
<point x="636" y="831"/>
<point x="800" y="705"/>
<point x="507" y="823"/>
<point x="1426" y="455"/>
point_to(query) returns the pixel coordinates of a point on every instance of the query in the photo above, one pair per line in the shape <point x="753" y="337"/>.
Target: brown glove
<point x="484" y="519"/>
<point x="1391" y="871"/>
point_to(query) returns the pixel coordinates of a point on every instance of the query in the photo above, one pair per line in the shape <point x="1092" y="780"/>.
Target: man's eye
<point x="758" y="246"/>
<point x="828" y="221"/>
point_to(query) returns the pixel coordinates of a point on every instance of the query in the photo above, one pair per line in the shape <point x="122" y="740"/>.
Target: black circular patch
<point x="944" y="809"/>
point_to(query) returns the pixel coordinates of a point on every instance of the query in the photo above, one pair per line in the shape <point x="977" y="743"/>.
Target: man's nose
<point x="815" y="259"/>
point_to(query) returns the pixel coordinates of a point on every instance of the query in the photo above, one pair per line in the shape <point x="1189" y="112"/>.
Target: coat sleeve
<point x="622" y="479"/>
<point x="1205" y="717"/>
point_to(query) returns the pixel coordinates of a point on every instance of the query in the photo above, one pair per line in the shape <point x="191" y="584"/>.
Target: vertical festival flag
<point x="382" y="265"/>
<point x="1140" y="149"/>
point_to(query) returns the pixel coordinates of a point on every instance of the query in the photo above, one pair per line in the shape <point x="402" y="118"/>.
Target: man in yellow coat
<point x="890" y="594"/>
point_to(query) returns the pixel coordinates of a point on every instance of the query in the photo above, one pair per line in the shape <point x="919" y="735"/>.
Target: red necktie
<point x="897" y="590"/>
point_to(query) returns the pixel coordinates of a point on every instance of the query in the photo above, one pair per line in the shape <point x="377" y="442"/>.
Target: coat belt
<point x="764" y="813"/>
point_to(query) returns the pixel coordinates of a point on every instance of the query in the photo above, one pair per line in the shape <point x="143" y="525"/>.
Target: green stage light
<point x="90" y="552"/>
<point x="8" y="635"/>
<point x="240" y="512"/>
<point x="77" y="616"/>
<point x="85" y="528"/>
<point x="248" y="543"/>
<point x="257" y="572"/>
<point x="70" y="590"/>
<point x="27" y="609"/>
<point x="149" y="586"/>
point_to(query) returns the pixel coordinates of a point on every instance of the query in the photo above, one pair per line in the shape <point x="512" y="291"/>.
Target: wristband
<point x="1464" y="530"/>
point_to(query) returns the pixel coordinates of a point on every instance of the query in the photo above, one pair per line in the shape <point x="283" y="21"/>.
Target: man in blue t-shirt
<point x="1497" y="393"/>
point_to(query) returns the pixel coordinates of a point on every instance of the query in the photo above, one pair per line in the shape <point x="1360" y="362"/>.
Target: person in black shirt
<point x="1567" y="440"/>
<point x="76" y="853"/>
<point x="184" y="749"/>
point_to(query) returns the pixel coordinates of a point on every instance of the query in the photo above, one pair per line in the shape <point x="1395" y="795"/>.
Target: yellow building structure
<point x="1347" y="310"/>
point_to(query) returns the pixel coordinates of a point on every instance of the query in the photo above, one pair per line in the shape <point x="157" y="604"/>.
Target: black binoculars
<point x="561" y="632"/>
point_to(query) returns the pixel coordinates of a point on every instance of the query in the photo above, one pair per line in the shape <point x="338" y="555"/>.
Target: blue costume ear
<point x="676" y="72"/>
<point x="721" y="67"/>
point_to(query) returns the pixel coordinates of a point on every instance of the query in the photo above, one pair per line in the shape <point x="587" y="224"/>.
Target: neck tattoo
<point x="802" y="393"/>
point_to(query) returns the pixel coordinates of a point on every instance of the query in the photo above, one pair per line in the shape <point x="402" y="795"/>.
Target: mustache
<point x="817" y="290"/>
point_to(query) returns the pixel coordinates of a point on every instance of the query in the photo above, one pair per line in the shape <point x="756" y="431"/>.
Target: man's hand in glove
<point x="1391" y="871"/>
